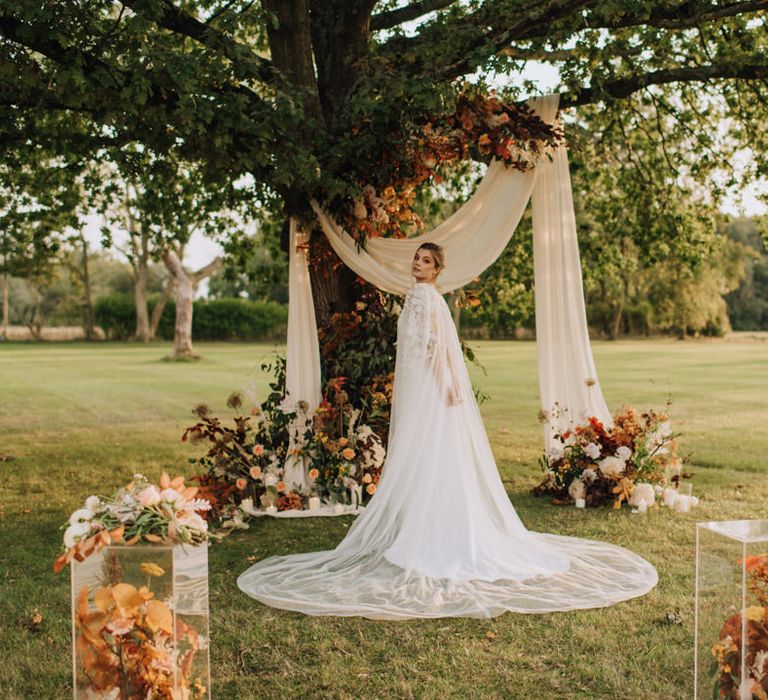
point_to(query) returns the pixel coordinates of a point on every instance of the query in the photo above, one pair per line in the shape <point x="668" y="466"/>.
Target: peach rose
<point x="343" y="441"/>
<point x="348" y="453"/>
<point x="313" y="473"/>
<point x="241" y="484"/>
<point x="255" y="472"/>
<point x="258" y="450"/>
<point x="280" y="486"/>
<point x="367" y="478"/>
<point x="371" y="489"/>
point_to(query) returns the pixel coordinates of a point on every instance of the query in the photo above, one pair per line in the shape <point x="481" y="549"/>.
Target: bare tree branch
<point x="624" y="87"/>
<point x="393" y="18"/>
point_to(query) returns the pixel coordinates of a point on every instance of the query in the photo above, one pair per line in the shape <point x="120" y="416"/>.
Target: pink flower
<point x="241" y="484"/>
<point x="150" y="496"/>
<point x="258" y="450"/>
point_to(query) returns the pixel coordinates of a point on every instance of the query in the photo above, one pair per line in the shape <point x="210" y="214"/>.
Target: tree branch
<point x="176" y="20"/>
<point x="624" y="87"/>
<point x="537" y="54"/>
<point x="545" y="14"/>
<point x="393" y="18"/>
<point x="211" y="268"/>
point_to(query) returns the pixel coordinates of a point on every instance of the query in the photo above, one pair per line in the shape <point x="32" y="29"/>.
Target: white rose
<point x="92" y="503"/>
<point x="624" y="452"/>
<point x="588" y="476"/>
<point x="193" y="520"/>
<point x="642" y="492"/>
<point x="592" y="450"/>
<point x="83" y="515"/>
<point x="555" y="452"/>
<point x="577" y="489"/>
<point x="75" y="532"/>
<point x="611" y="466"/>
<point x="270" y="479"/>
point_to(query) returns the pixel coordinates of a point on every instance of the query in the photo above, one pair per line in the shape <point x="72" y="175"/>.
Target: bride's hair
<point x="437" y="252"/>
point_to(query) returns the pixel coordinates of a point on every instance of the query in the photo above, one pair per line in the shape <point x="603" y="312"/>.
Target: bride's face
<point x="423" y="267"/>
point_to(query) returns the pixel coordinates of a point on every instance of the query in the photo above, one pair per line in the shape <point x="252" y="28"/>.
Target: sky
<point x="201" y="250"/>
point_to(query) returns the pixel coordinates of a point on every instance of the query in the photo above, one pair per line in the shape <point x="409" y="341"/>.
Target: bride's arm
<point x="441" y="362"/>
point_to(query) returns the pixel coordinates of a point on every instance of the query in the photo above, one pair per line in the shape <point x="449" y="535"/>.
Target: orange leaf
<point x="159" y="617"/>
<point x="177" y="482"/>
<point x="165" y="480"/>
<point x="153" y="538"/>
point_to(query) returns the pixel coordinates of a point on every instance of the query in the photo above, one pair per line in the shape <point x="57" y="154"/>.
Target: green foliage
<point x="748" y="305"/>
<point x="215" y="319"/>
<point x="116" y="314"/>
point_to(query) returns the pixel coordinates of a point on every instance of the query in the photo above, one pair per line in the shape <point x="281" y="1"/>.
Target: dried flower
<point x="235" y="400"/>
<point x="201" y="410"/>
<point x="151" y="569"/>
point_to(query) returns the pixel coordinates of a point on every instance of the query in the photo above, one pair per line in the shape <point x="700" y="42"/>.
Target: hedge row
<point x="212" y="319"/>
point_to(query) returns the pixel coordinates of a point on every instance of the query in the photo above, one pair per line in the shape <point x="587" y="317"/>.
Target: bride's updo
<point x="438" y="253"/>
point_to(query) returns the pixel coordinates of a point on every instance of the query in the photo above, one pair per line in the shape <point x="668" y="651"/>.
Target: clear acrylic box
<point x="140" y="623"/>
<point x="731" y="609"/>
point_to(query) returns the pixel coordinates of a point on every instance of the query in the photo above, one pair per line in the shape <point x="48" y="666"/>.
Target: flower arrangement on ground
<point x="619" y="464"/>
<point x="141" y="511"/>
<point x="728" y="653"/>
<point x="246" y="459"/>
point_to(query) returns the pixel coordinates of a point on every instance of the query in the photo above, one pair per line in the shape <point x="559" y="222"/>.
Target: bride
<point x="440" y="538"/>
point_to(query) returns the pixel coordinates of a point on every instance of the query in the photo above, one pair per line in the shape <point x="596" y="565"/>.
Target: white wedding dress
<point x="440" y="537"/>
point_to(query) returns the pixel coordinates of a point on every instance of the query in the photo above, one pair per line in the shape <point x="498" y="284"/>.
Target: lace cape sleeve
<point x="419" y="331"/>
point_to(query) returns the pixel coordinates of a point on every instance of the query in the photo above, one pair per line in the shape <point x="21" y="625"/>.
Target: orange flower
<point x="313" y="473"/>
<point x="343" y="441"/>
<point x="280" y="486"/>
<point x="371" y="489"/>
<point x="754" y="562"/>
<point x="241" y="484"/>
<point x="255" y="472"/>
<point x="348" y="453"/>
<point x="367" y="478"/>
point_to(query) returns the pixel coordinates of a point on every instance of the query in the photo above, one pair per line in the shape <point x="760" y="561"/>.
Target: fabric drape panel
<point x="567" y="374"/>
<point x="473" y="238"/>
<point x="302" y="365"/>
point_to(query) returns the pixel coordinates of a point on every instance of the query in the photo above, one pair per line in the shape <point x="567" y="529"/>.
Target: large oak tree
<point x="319" y="98"/>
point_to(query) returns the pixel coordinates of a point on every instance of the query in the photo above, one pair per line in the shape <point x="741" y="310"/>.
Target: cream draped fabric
<point x="473" y="237"/>
<point x="302" y="363"/>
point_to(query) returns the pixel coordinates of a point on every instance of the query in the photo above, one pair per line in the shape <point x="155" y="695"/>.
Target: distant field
<point x="80" y="418"/>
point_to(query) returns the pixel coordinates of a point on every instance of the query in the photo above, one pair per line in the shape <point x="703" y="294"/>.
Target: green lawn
<point x="80" y="419"/>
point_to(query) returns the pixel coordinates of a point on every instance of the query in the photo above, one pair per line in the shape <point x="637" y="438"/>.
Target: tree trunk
<point x="6" y="305"/>
<point x="85" y="276"/>
<point x="141" y="282"/>
<point x="157" y="311"/>
<point x="139" y="258"/>
<point x="36" y="324"/>
<point x="185" y="284"/>
<point x="618" y="313"/>
<point x="185" y="291"/>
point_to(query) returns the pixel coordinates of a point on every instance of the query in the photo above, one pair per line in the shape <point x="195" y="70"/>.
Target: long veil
<point x="440" y="537"/>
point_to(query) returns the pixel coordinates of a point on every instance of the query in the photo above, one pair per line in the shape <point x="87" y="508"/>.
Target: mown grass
<point x="80" y="419"/>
